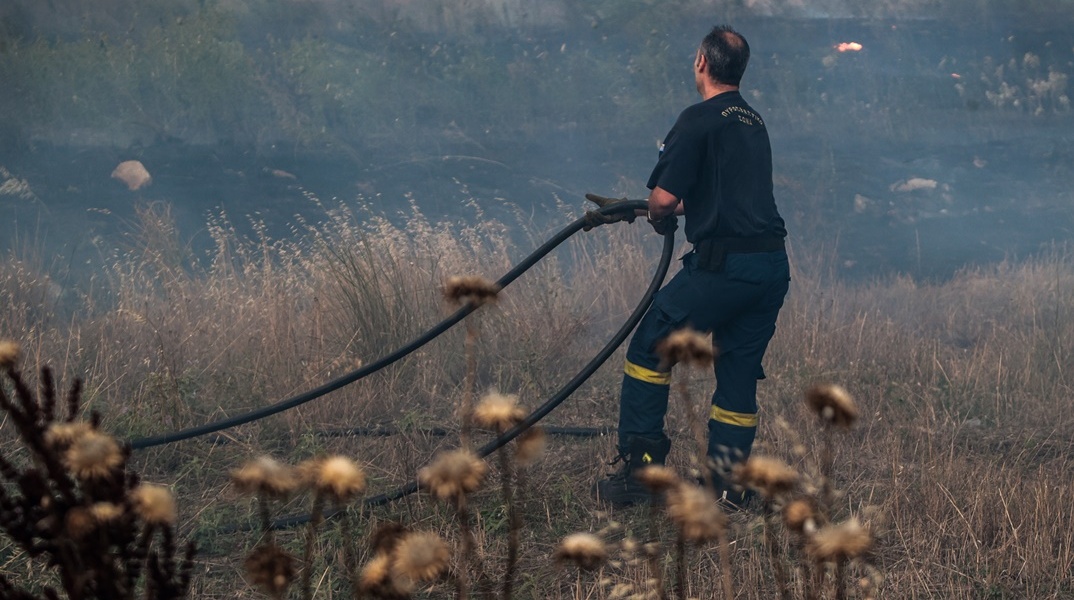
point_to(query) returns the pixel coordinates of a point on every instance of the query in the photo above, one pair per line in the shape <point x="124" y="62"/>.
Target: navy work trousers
<point x="739" y="305"/>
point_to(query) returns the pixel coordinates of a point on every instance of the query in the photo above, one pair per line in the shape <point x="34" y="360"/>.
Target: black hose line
<point x="389" y="431"/>
<point x="335" y="384"/>
<point x="549" y="405"/>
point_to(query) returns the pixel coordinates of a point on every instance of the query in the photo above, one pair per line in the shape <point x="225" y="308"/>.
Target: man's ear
<point x="699" y="62"/>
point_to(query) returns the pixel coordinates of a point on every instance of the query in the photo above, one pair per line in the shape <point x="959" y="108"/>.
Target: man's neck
<point x="712" y="89"/>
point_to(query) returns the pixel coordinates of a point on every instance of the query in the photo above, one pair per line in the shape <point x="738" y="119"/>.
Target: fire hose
<point x="542" y="411"/>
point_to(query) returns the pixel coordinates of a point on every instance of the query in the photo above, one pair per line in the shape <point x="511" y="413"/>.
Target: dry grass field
<point x="959" y="466"/>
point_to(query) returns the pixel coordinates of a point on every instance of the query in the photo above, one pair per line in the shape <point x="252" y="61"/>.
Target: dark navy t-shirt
<point x="717" y="159"/>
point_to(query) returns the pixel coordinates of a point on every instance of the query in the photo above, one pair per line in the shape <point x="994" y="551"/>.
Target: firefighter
<point x="714" y="169"/>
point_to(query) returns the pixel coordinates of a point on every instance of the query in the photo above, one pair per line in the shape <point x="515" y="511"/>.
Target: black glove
<point x="665" y="225"/>
<point x="596" y="219"/>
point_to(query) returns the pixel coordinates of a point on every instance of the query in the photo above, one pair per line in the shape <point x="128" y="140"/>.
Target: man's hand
<point x="665" y="225"/>
<point x="596" y="219"/>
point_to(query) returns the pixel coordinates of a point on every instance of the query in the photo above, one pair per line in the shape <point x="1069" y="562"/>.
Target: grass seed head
<point x="265" y="475"/>
<point x="840" y="542"/>
<point x="657" y="478"/>
<point x="271" y="569"/>
<point x="9" y="353"/>
<point x="419" y="557"/>
<point x="154" y="504"/>
<point x="462" y="288"/>
<point x="336" y="476"/>
<point x="694" y="512"/>
<point x="585" y="550"/>
<point x="453" y="475"/>
<point x="93" y="455"/>
<point x="688" y="347"/>
<point x="498" y="412"/>
<point x="833" y="404"/>
<point x="530" y="446"/>
<point x="770" y="476"/>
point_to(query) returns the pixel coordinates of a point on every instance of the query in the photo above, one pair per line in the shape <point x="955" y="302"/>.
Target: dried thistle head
<point x="376" y="581"/>
<point x="832" y="404"/>
<point x="61" y="435"/>
<point x="469" y="288"/>
<point x="9" y="353"/>
<point x="271" y="569"/>
<point x="800" y="516"/>
<point x="839" y="542"/>
<point x="770" y="476"/>
<point x="686" y="346"/>
<point x="530" y="445"/>
<point x="387" y="536"/>
<point x="498" y="412"/>
<point x="78" y="522"/>
<point x="105" y="512"/>
<point x="265" y="475"/>
<point x="154" y="504"/>
<point x="93" y="455"/>
<point x="338" y="477"/>
<point x="81" y="520"/>
<point x="585" y="550"/>
<point x="695" y="513"/>
<point x="453" y="475"/>
<point x="657" y="478"/>
<point x="418" y="557"/>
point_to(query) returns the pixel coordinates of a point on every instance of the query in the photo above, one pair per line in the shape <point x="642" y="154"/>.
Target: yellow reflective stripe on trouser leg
<point x="733" y="418"/>
<point x="647" y="375"/>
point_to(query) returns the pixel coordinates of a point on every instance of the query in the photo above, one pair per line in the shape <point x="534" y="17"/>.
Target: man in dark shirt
<point x="715" y="169"/>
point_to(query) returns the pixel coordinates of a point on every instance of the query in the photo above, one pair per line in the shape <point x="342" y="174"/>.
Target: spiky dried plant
<point x="469" y="288"/>
<point x="658" y="478"/>
<point x="376" y="580"/>
<point x="477" y="291"/>
<point x="836" y="544"/>
<point x="769" y="476"/>
<point x="271" y="568"/>
<point x="452" y="477"/>
<point x="836" y="409"/>
<point x="840" y="542"/>
<point x="337" y="477"/>
<point x="832" y="404"/>
<point x="72" y="503"/>
<point x="584" y="550"/>
<point x="530" y="445"/>
<point x="800" y="516"/>
<point x="498" y="412"/>
<point x="688" y="347"/>
<point x="419" y="557"/>
<point x="698" y="520"/>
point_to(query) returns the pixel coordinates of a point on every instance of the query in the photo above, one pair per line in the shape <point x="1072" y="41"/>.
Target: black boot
<point x="622" y="489"/>
<point x="730" y="495"/>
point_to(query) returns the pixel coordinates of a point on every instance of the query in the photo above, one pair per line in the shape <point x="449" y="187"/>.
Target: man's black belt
<point x="712" y="252"/>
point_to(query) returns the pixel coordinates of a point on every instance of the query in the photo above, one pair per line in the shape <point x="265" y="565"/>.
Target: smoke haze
<point x="915" y="139"/>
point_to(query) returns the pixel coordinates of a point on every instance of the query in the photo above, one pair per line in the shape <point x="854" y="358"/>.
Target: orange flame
<point x="848" y="47"/>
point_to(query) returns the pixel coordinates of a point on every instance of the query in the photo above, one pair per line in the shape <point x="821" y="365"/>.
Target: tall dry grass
<point x="960" y="463"/>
